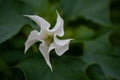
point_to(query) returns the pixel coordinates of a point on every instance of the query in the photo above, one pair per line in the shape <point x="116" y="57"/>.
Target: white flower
<point x="48" y="37"/>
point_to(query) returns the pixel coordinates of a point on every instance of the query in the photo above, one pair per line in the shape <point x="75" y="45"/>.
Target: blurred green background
<point x="94" y="53"/>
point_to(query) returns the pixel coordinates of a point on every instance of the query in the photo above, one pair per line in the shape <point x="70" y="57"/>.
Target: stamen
<point x="49" y="39"/>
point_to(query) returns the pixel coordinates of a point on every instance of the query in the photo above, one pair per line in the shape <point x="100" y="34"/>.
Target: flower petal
<point x="61" y="46"/>
<point x="58" y="29"/>
<point x="51" y="47"/>
<point x="33" y="37"/>
<point x="44" y="50"/>
<point x="40" y="21"/>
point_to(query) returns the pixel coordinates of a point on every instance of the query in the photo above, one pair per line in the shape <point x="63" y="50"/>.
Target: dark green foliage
<point x="94" y="53"/>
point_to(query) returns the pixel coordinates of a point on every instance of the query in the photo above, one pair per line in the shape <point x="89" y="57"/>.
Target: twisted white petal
<point x="43" y="24"/>
<point x="44" y="50"/>
<point x="61" y="46"/>
<point x="33" y="37"/>
<point x="58" y="29"/>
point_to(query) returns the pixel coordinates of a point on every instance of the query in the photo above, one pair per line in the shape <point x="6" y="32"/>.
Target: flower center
<point x="49" y="39"/>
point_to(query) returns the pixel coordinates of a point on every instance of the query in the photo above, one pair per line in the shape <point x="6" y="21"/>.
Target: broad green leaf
<point x="16" y="74"/>
<point x="11" y="21"/>
<point x="100" y="51"/>
<point x="97" y="10"/>
<point x="64" y="68"/>
<point x="84" y="33"/>
<point x="11" y="58"/>
<point x="38" y="6"/>
<point x="94" y="72"/>
<point x="115" y="11"/>
<point x="3" y="65"/>
<point x="115" y="37"/>
<point x="8" y="60"/>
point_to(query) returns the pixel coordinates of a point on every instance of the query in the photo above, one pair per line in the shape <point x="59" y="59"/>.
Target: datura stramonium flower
<point x="48" y="37"/>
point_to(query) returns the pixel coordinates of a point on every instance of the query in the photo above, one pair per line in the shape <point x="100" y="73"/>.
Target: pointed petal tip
<point x="58" y="14"/>
<point x="49" y="64"/>
<point x="72" y="39"/>
<point x="25" y="50"/>
<point x="51" y="69"/>
<point x="28" y="15"/>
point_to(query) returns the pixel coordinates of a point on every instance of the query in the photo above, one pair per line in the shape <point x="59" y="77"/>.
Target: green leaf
<point x="8" y="60"/>
<point x="115" y="11"/>
<point x="37" y="5"/>
<point x="17" y="74"/>
<point x="11" y="21"/>
<point x="97" y="11"/>
<point x="84" y="33"/>
<point x="100" y="51"/>
<point x="94" y="72"/>
<point x="3" y="65"/>
<point x="64" y="68"/>
<point x="12" y="57"/>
